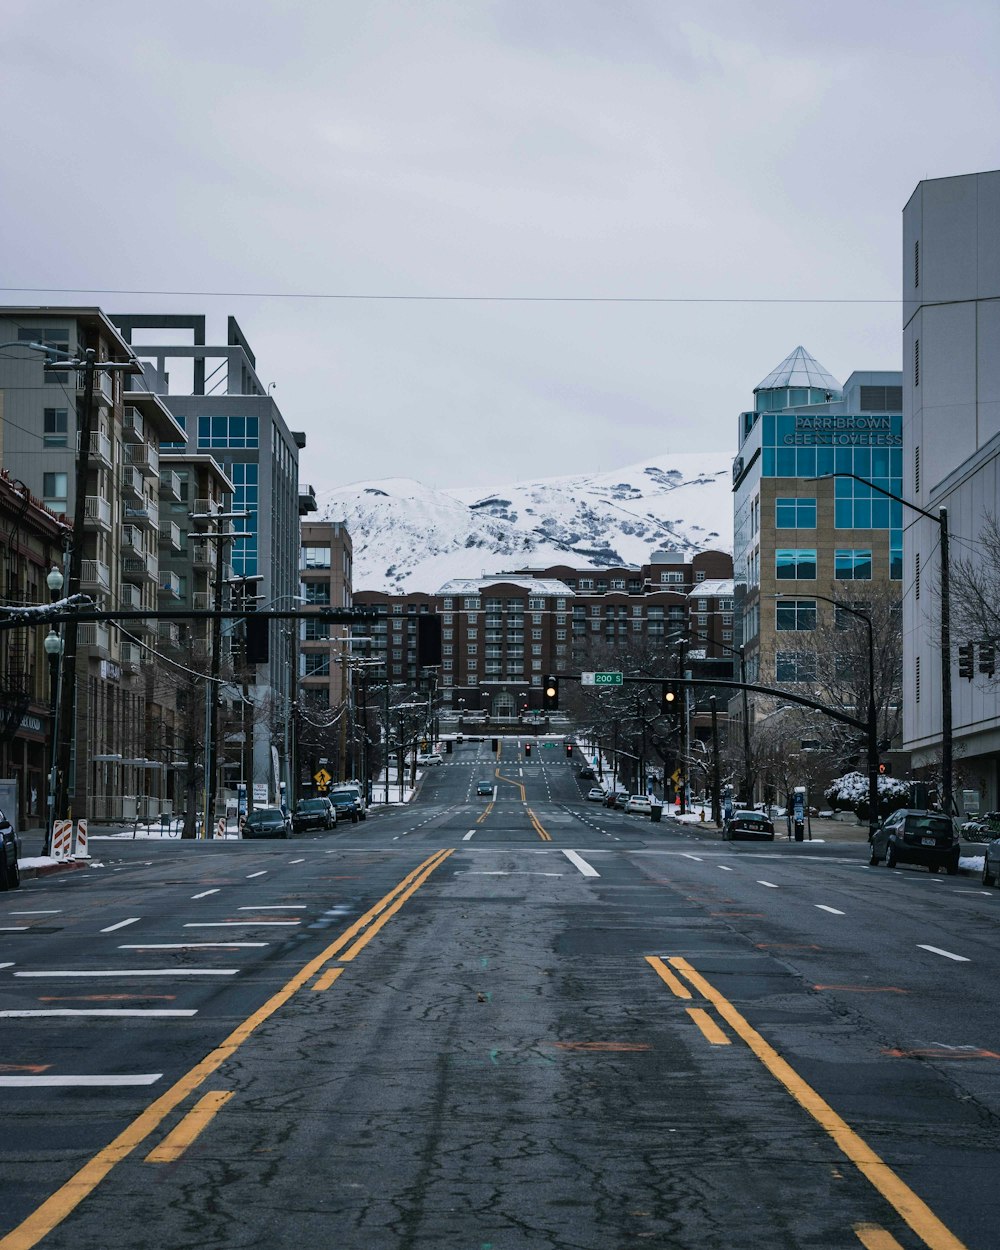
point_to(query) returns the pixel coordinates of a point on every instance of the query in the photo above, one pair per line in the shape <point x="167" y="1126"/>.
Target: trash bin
<point x="656" y="813"/>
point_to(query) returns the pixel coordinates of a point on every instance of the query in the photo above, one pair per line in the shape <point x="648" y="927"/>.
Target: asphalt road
<point x="496" y="1023"/>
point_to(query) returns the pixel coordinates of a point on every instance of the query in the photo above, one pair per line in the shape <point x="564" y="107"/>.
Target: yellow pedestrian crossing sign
<point x="322" y="778"/>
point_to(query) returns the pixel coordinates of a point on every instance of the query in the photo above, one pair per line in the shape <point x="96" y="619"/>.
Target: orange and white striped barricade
<point x="80" y="850"/>
<point x="62" y="839"/>
<point x="220" y="828"/>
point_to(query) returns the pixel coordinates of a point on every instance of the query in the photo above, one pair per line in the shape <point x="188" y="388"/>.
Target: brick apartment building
<point x="503" y="632"/>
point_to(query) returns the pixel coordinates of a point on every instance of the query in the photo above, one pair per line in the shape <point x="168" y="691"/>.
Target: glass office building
<point x="797" y="538"/>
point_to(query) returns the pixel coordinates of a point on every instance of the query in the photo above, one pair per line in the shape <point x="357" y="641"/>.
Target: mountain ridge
<point x="410" y="537"/>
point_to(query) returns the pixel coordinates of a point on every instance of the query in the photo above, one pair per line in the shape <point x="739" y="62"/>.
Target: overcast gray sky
<point x="559" y="148"/>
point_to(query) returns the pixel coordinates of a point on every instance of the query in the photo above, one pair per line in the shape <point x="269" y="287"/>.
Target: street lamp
<point x="53" y="645"/>
<point x="941" y="520"/>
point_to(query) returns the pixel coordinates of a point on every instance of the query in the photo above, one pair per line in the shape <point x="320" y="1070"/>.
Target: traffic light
<point x="987" y="658"/>
<point x="885" y="770"/>
<point x="670" y="701"/>
<point x="550" y="694"/>
<point x="965" y="660"/>
<point x="569" y="750"/>
<point x="527" y="748"/>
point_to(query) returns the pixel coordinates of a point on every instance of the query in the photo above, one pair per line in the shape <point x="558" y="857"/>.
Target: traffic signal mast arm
<point x="785" y="695"/>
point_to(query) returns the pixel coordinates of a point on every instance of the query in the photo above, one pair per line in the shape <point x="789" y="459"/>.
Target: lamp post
<point x="941" y="520"/>
<point x="53" y="645"/>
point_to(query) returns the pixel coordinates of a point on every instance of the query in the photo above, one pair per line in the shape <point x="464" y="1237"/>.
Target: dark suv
<point x="915" y="837"/>
<point x="314" y="814"/>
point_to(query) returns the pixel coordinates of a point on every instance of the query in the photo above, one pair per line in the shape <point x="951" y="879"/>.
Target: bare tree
<point x="975" y="585"/>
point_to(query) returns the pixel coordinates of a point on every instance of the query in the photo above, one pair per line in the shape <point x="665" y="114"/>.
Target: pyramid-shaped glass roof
<point x="799" y="369"/>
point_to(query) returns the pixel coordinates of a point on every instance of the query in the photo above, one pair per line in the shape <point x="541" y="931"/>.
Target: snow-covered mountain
<point x="408" y="537"/>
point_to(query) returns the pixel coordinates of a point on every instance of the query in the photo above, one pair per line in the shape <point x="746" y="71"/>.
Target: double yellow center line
<point x="69" y="1196"/>
<point x="911" y="1208"/>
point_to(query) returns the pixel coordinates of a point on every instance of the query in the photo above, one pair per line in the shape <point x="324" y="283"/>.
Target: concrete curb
<point x="49" y="870"/>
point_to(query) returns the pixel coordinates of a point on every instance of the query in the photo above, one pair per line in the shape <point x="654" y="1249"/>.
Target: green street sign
<point x="601" y="679"/>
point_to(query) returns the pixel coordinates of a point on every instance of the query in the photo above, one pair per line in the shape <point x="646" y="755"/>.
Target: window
<point x="470" y="603"/>
<point x="397" y="653"/>
<point x="317" y="592"/>
<point x="795" y="514"/>
<point x="852" y="565"/>
<point x="316" y="665"/>
<point x="54" y="427"/>
<point x="916" y="679"/>
<point x="618" y="583"/>
<point x="472" y="649"/>
<point x="446" y="649"/>
<point x="916" y="576"/>
<point x="536" y="604"/>
<point x="315" y="557"/>
<point x="448" y="618"/>
<point x="316" y="631"/>
<point x="702" y="618"/>
<point x="727" y="618"/>
<point x="51" y="337"/>
<point x="55" y="487"/>
<point x="916" y="469"/>
<point x="397" y="609"/>
<point x="637" y="611"/>
<point x="795" y="564"/>
<point x="447" y="603"/>
<point x="727" y="635"/>
<point x="916" y="362"/>
<point x="700" y="575"/>
<point x="916" y="262"/>
<point x="560" y="633"/>
<point x="472" y="633"/>
<point x="795" y="666"/>
<point x="671" y="578"/>
<point x="795" y="614"/>
<point x="227" y="432"/>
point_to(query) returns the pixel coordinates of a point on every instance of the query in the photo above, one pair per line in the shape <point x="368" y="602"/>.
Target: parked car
<point x="586" y="773"/>
<point x="747" y="825"/>
<point x="432" y="757"/>
<point x="983" y="828"/>
<point x="639" y="803"/>
<point x="909" y="836"/>
<point x="991" y="863"/>
<point x="316" y="813"/>
<point x="347" y="804"/>
<point x="10" y="874"/>
<point x="596" y="794"/>
<point x="267" y="822"/>
<point x="354" y="789"/>
<point x="484" y="787"/>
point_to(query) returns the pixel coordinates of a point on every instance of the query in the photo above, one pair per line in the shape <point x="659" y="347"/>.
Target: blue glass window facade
<point x="245" y="499"/>
<point x="215" y="432"/>
<point x="182" y="422"/>
<point x="795" y="564"/>
<point x="853" y="565"/>
<point x="795" y="614"/>
<point x="795" y="514"/>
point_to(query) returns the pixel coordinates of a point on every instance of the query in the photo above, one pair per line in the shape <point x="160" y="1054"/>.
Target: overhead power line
<point x="443" y="299"/>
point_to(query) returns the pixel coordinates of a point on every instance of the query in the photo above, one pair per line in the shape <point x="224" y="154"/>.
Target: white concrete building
<point x="951" y="437"/>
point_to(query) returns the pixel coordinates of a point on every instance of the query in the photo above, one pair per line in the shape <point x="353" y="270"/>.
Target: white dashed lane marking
<point x="936" y="950"/>
<point x="121" y="924"/>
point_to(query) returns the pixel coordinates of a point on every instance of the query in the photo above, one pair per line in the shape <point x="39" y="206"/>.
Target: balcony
<point x="133" y="483"/>
<point x="170" y="486"/>
<point x="130" y="596"/>
<point x="100" y="450"/>
<point x="145" y="457"/>
<point x="170" y="535"/>
<point x="94" y="634"/>
<point x="202" y="556"/>
<point x="97" y="514"/>
<point x="144" y="513"/>
<point x="133" y="426"/>
<point x="140" y="566"/>
<point x="169" y="632"/>
<point x="170" y="586"/>
<point x="95" y="577"/>
<point x="131" y="654"/>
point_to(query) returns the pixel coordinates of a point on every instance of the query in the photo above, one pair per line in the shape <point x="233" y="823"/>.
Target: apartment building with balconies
<point x="120" y="539"/>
